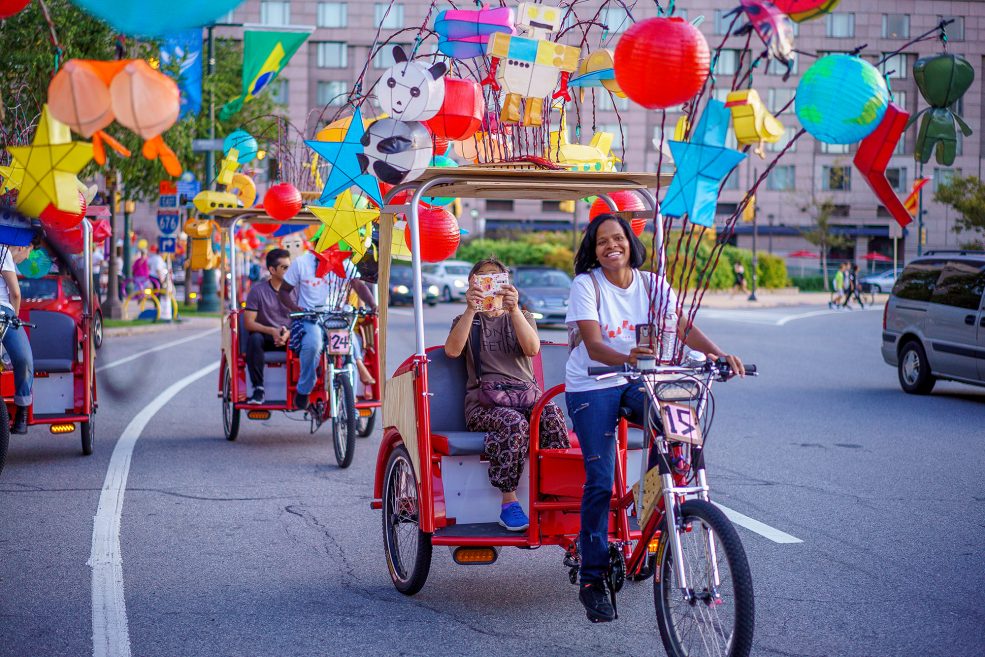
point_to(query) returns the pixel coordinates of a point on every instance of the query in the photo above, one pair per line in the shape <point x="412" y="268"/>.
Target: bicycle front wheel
<point x="344" y="423"/>
<point x="715" y="614"/>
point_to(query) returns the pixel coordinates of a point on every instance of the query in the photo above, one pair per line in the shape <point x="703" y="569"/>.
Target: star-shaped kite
<point x="230" y="164"/>
<point x="50" y="165"/>
<point x="342" y="222"/>
<point x="346" y="171"/>
<point x="331" y="260"/>
<point x="702" y="165"/>
<point x="11" y="178"/>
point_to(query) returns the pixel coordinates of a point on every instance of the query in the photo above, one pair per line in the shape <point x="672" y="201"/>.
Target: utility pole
<point x="755" y="234"/>
<point x="128" y="208"/>
<point x="112" y="307"/>
<point x="208" y="300"/>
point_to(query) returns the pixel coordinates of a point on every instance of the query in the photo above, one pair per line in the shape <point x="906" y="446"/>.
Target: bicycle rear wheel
<point x="344" y="423"/>
<point x="710" y="618"/>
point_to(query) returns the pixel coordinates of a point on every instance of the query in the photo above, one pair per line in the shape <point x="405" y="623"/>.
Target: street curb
<point x="189" y="323"/>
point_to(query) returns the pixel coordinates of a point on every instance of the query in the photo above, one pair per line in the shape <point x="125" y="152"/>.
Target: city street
<point x="862" y="511"/>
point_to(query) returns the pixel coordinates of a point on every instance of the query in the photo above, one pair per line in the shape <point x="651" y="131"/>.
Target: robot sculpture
<point x="533" y="63"/>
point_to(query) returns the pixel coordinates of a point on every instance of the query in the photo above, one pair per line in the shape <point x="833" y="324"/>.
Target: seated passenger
<point x="266" y="319"/>
<point x="505" y="341"/>
<point x="15" y="339"/>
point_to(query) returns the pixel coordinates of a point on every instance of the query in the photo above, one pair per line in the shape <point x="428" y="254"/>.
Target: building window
<point x="333" y="14"/>
<point x="836" y="179"/>
<point x="840" y="25"/>
<point x="722" y="22"/>
<point x="728" y="62"/>
<point x="781" y="179"/>
<point x="392" y="19"/>
<point x="955" y="31"/>
<point x="499" y="205"/>
<point x="726" y="209"/>
<point x="943" y="176"/>
<point x="835" y="149"/>
<point x="384" y="56"/>
<point x="897" y="178"/>
<point x="333" y="54"/>
<point x="275" y="13"/>
<point x="779" y="98"/>
<point x="616" y="19"/>
<point x="606" y="101"/>
<point x="281" y="91"/>
<point x="550" y="206"/>
<point x="897" y="66"/>
<point x="731" y="183"/>
<point x="782" y="142"/>
<point x="332" y="92"/>
<point x="613" y="129"/>
<point x="895" y="26"/>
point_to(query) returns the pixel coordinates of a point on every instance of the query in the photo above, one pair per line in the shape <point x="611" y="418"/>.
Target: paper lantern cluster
<point x="841" y="99"/>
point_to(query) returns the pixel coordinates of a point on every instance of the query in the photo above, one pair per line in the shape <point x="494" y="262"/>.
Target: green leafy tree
<point x="967" y="196"/>
<point x="821" y="233"/>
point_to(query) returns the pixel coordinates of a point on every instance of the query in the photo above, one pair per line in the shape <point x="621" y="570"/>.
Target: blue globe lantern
<point x="243" y="142"/>
<point x="841" y="99"/>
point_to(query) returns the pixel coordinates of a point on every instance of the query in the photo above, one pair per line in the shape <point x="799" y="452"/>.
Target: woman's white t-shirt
<point x="6" y="265"/>
<point x="617" y="311"/>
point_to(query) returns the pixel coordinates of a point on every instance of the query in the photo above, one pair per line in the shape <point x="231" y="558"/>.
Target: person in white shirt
<point x="610" y="296"/>
<point x="15" y="339"/>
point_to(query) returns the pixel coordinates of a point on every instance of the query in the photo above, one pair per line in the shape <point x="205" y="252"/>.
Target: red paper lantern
<point x="671" y="47"/>
<point x="282" y="201"/>
<point x="265" y="229"/>
<point x="440" y="233"/>
<point x="10" y="7"/>
<point x="625" y="202"/>
<point x="461" y="112"/>
<point x="55" y="219"/>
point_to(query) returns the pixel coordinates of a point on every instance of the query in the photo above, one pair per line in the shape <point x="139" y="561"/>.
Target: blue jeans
<point x="312" y="344"/>
<point x="595" y="414"/>
<point x="19" y="349"/>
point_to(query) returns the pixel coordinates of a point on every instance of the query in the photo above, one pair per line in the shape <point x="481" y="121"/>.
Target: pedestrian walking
<point x="853" y="288"/>
<point x="838" y="286"/>
<point x="739" y="274"/>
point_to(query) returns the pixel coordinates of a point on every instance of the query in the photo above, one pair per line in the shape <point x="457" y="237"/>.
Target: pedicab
<point x="333" y="399"/>
<point x="62" y="344"/>
<point x="431" y="478"/>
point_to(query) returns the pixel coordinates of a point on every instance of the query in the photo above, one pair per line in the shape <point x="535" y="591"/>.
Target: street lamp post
<point x="769" y="237"/>
<point x="128" y="209"/>
<point x="208" y="299"/>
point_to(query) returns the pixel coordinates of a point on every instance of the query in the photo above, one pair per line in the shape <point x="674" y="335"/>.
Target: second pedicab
<point x="333" y="399"/>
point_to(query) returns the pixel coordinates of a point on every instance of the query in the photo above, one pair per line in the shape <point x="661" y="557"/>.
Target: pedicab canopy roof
<point x="493" y="183"/>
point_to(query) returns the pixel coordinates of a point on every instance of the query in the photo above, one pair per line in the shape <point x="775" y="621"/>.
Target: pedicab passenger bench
<point x="274" y="365"/>
<point x="470" y="498"/>
<point x="54" y="339"/>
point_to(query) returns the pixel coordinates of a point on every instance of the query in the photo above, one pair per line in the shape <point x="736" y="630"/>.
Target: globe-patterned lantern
<point x="841" y="99"/>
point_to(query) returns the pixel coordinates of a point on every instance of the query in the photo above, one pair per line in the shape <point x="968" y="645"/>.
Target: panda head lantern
<point x="395" y="151"/>
<point x="411" y="91"/>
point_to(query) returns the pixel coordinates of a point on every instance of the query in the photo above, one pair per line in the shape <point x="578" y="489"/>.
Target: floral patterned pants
<point x="508" y="439"/>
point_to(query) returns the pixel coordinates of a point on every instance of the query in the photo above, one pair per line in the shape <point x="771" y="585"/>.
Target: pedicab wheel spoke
<point x="230" y="414"/>
<point x="407" y="548"/>
<point x="4" y="434"/>
<point x="366" y="423"/>
<point x="709" y="619"/>
<point x="88" y="431"/>
<point x="344" y="424"/>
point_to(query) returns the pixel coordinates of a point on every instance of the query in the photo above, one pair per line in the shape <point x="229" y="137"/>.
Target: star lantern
<point x="670" y="45"/>
<point x="56" y="219"/>
<point x="841" y="99"/>
<point x="343" y="158"/>
<point x="702" y="165"/>
<point x="625" y="201"/>
<point x="10" y="7"/>
<point x="282" y="201"/>
<point x="50" y="166"/>
<point x="342" y="222"/>
<point x="331" y="260"/>
<point x="11" y="177"/>
<point x="439" y="233"/>
<point x="873" y="156"/>
<point x="399" y="240"/>
<point x="461" y="113"/>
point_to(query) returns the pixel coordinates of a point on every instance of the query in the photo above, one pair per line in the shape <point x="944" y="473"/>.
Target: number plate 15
<point x="338" y="342"/>
<point x="680" y="423"/>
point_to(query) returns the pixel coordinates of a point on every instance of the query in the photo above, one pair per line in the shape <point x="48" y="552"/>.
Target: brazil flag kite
<point x="265" y="54"/>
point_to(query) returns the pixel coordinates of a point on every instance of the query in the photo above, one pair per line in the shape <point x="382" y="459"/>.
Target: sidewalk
<point x="771" y="299"/>
<point x="142" y="329"/>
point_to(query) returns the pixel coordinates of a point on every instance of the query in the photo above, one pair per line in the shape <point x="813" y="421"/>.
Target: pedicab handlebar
<point x="334" y="318"/>
<point x="719" y="369"/>
<point x="7" y="321"/>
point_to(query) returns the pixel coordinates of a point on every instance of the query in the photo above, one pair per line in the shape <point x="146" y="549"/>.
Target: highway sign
<point x="168" y="221"/>
<point x="166" y="244"/>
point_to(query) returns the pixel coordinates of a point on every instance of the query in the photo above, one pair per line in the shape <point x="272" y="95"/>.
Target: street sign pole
<point x="755" y="235"/>
<point x="208" y="300"/>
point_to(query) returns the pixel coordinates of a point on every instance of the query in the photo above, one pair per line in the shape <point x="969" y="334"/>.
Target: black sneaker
<point x="257" y="397"/>
<point x="300" y="401"/>
<point x="596" y="602"/>
<point x="20" y="420"/>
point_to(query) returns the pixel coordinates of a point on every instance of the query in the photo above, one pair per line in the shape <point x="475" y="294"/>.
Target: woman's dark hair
<point x="274" y="256"/>
<point x="586" y="259"/>
<point x="488" y="261"/>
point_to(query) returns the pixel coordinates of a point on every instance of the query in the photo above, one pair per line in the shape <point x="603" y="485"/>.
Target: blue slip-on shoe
<point x="513" y="518"/>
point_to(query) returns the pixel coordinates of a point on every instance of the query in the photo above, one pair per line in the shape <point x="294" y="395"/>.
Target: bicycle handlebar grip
<point x="609" y="369"/>
<point x="750" y="369"/>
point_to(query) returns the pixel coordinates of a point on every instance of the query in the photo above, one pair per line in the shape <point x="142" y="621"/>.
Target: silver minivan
<point x="934" y="321"/>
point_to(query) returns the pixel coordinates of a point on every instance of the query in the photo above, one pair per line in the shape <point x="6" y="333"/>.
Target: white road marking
<point x="757" y="527"/>
<point x="400" y="311"/>
<point x="153" y="349"/>
<point x="110" y="636"/>
<point x="767" y="316"/>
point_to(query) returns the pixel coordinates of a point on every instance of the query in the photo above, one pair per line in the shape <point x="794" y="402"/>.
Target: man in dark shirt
<point x="266" y="318"/>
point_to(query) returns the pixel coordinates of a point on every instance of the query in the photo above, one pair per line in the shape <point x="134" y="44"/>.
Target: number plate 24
<point x="338" y="342"/>
<point x="680" y="423"/>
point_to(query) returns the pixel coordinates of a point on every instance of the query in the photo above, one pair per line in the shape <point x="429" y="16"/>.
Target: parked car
<point x="59" y="293"/>
<point x="451" y="277"/>
<point x="401" y="280"/>
<point x="881" y="282"/>
<point x="543" y="292"/>
<point x="934" y="321"/>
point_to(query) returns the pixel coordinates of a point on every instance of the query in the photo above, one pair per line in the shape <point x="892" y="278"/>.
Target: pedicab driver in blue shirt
<point x="317" y="292"/>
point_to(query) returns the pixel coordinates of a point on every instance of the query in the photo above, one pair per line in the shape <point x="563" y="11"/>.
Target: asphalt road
<point x="264" y="547"/>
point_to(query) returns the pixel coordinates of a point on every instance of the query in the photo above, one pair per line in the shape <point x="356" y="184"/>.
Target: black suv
<point x="934" y="321"/>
